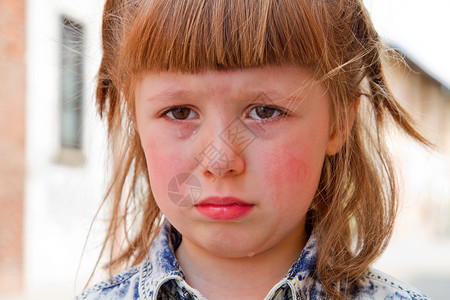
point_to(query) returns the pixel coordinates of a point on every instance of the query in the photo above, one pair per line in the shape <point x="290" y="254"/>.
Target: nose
<point x="222" y="148"/>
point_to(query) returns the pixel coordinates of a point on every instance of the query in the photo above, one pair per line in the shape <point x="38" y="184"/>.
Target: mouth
<point x="223" y="208"/>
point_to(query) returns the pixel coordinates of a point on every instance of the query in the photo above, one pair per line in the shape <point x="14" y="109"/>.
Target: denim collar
<point x="161" y="269"/>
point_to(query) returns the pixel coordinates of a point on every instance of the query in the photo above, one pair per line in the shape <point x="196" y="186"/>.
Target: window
<point x="71" y="85"/>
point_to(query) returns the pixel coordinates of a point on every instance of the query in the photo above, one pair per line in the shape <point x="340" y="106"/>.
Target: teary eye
<point x="180" y="113"/>
<point x="263" y="112"/>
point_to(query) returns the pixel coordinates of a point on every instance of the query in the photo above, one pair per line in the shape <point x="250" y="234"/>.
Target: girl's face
<point x="234" y="158"/>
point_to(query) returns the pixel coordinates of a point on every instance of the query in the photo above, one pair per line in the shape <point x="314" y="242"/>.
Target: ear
<point x="338" y="138"/>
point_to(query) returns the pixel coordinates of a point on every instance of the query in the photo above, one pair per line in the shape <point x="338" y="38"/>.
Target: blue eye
<point x="264" y="112"/>
<point x="180" y="113"/>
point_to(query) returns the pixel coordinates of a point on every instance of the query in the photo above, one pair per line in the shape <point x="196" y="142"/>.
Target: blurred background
<point x="53" y="147"/>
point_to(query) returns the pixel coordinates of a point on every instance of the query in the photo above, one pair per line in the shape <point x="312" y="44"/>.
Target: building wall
<point x="426" y="98"/>
<point x="426" y="174"/>
<point x="63" y="186"/>
<point x="12" y="138"/>
<point x="418" y="252"/>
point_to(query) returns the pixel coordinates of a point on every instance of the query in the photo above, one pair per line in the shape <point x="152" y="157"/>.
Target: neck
<point x="250" y="277"/>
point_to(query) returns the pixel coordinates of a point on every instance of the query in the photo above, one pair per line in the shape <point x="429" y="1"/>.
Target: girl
<point x="249" y="137"/>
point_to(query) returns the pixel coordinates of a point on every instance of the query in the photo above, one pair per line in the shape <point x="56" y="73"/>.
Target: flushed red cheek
<point x="289" y="175"/>
<point x="163" y="165"/>
<point x="286" y="170"/>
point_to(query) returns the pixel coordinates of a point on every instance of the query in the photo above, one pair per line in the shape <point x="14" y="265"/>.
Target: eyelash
<point x="281" y="113"/>
<point x="171" y="109"/>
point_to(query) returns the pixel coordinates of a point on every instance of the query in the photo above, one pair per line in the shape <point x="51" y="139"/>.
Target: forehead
<point x="270" y="75"/>
<point x="265" y="84"/>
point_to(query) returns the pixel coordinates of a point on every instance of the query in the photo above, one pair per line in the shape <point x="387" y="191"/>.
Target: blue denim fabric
<point x="160" y="277"/>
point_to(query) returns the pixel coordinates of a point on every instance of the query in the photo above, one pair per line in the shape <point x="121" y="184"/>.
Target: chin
<point x="232" y="246"/>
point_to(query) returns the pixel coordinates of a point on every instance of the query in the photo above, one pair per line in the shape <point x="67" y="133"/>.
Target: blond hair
<point x="354" y="208"/>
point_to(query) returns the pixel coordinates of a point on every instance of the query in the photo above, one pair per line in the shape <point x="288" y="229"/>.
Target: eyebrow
<point x="266" y="97"/>
<point x="275" y="98"/>
<point x="166" y="95"/>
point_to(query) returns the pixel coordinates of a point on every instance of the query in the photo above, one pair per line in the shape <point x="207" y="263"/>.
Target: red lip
<point x="223" y="208"/>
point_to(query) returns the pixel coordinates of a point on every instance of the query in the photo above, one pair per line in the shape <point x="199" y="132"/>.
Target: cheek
<point x="164" y="162"/>
<point x="157" y="161"/>
<point x="291" y="174"/>
<point x="284" y="168"/>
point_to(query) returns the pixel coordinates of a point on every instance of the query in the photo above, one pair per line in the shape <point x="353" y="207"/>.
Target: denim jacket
<point x="159" y="277"/>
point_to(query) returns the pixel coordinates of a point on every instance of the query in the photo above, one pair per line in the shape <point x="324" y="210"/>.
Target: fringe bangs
<point x="193" y="36"/>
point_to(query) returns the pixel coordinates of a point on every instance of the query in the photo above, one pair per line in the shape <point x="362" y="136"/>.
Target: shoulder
<point x="145" y="278"/>
<point x="378" y="285"/>
<point x="122" y="286"/>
